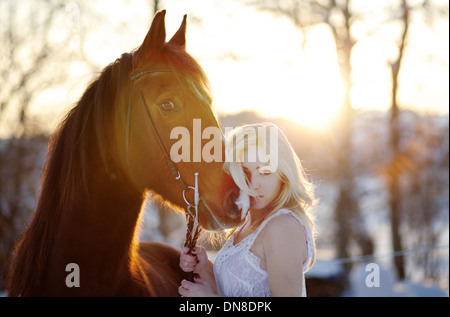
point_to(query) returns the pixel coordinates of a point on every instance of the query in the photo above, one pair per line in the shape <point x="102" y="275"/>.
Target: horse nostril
<point x="229" y="204"/>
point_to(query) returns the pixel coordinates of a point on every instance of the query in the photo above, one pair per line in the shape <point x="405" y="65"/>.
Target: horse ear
<point x="179" y="38"/>
<point x="155" y="38"/>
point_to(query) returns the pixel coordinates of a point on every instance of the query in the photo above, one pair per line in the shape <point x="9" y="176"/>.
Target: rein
<point x="193" y="227"/>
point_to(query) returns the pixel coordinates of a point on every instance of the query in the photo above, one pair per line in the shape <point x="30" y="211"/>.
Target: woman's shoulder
<point x="284" y="236"/>
<point x="285" y="218"/>
<point x="284" y="225"/>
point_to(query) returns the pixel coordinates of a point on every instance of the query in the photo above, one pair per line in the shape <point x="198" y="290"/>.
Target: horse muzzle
<point x="230" y="216"/>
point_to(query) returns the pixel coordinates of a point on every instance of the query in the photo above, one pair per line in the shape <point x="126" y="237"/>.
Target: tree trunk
<point x="346" y="207"/>
<point x="395" y="170"/>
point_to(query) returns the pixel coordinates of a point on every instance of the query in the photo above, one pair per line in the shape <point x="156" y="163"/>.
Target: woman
<point x="269" y="253"/>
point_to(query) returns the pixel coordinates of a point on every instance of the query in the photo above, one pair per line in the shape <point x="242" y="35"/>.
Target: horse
<point x="109" y="151"/>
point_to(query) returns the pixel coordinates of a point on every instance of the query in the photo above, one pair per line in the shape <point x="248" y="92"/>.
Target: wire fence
<point x="372" y="257"/>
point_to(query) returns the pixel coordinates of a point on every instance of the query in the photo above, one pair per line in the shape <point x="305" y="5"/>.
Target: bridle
<point x="192" y="207"/>
<point x="193" y="228"/>
<point x="192" y="221"/>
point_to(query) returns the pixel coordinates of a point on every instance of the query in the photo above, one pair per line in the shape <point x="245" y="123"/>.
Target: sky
<point x="255" y="60"/>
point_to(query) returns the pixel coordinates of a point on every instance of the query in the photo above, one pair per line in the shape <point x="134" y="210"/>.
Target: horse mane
<point x="84" y="139"/>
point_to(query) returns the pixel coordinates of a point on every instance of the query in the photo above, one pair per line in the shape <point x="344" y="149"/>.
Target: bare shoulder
<point x="284" y="228"/>
<point x="284" y="238"/>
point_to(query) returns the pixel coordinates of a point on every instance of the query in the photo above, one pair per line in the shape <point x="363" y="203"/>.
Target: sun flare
<point x="298" y="83"/>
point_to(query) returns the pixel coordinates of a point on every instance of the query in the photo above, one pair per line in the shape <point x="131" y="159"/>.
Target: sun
<point x="318" y="86"/>
<point x="320" y="100"/>
<point x="307" y="98"/>
<point x="302" y="84"/>
<point x="304" y="97"/>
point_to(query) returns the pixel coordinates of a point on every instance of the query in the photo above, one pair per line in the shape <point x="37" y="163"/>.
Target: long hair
<point x="82" y="140"/>
<point x="296" y="193"/>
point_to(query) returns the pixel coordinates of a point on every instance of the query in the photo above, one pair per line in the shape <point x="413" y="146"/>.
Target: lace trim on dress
<point x="237" y="269"/>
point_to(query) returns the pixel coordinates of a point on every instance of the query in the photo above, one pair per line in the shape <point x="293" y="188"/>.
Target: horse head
<point x="167" y="90"/>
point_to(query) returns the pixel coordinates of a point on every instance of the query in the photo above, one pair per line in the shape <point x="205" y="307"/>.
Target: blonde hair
<point x="296" y="194"/>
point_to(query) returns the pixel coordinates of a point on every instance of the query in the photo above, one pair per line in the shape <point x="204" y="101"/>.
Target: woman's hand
<point x="196" y="262"/>
<point x="200" y="288"/>
<point x="187" y="261"/>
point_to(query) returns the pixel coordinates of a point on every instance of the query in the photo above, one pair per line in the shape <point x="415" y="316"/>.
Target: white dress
<point x="237" y="270"/>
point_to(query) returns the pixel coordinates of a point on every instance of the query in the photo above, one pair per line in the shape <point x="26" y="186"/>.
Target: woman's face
<point x="264" y="182"/>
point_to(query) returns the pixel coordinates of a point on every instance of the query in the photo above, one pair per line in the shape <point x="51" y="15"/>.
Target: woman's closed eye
<point x="265" y="171"/>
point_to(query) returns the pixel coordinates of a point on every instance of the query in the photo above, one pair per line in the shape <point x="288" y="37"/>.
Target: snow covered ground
<point x="388" y="285"/>
<point x="376" y="278"/>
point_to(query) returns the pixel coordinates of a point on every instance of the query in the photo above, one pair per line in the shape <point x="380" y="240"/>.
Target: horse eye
<point x="167" y="106"/>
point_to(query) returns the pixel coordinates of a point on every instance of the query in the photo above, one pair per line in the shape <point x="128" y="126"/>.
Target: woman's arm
<point x="285" y="250"/>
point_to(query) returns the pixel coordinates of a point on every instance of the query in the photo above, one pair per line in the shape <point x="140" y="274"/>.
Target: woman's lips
<point x="257" y="198"/>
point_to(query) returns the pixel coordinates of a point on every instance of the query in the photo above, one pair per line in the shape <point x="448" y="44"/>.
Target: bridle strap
<point x="145" y="72"/>
<point x="176" y="174"/>
<point x="132" y="79"/>
<point x="171" y="164"/>
<point x="192" y="208"/>
<point x="173" y="169"/>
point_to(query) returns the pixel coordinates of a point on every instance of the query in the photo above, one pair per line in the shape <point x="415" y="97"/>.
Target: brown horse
<point x="110" y="149"/>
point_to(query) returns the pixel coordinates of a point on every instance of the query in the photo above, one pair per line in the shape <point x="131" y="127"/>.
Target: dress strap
<point x="309" y="238"/>
<point x="279" y="212"/>
<point x="255" y="234"/>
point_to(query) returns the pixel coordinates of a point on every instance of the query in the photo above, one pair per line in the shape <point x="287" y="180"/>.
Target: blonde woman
<point x="269" y="253"/>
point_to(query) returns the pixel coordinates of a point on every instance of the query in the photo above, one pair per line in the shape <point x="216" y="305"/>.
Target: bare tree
<point x="40" y="39"/>
<point x="397" y="167"/>
<point x="338" y="16"/>
<point x="424" y="191"/>
<point x="394" y="172"/>
<point x="156" y="5"/>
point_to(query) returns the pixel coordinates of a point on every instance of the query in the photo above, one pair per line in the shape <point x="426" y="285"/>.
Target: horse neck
<point x="99" y="235"/>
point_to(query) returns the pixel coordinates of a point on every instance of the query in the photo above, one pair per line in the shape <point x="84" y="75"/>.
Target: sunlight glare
<point x="301" y="85"/>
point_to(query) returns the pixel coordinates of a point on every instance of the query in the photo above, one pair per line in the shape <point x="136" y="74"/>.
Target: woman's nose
<point x="255" y="183"/>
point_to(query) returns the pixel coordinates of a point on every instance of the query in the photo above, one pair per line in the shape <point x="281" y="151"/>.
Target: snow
<point x="324" y="269"/>
<point x="360" y="281"/>
<point x="388" y="286"/>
